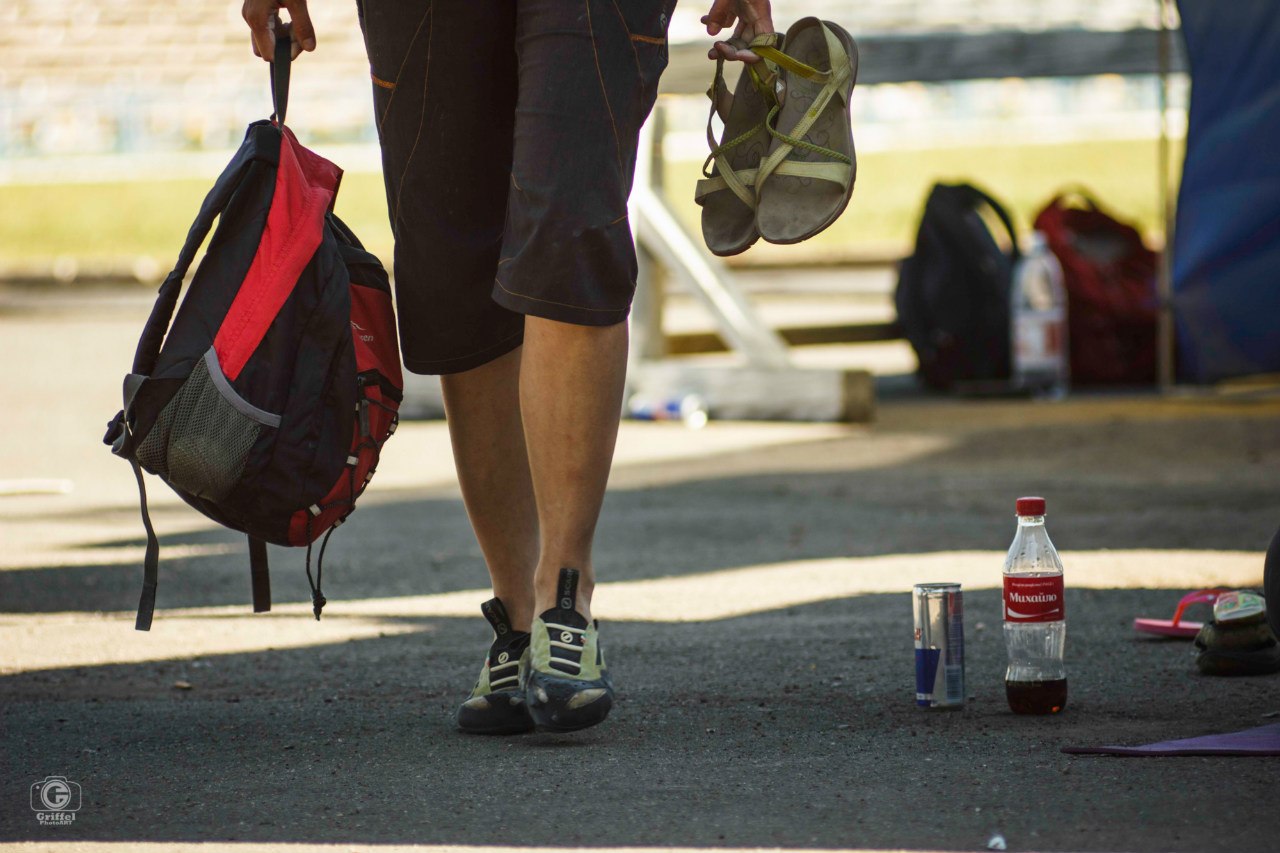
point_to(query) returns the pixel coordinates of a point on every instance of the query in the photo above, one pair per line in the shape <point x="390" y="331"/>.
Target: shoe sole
<point x="553" y="713"/>
<point x="1216" y="661"/>
<point x="510" y="719"/>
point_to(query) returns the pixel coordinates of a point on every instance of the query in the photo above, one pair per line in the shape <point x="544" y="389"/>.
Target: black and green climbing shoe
<point x="566" y="684"/>
<point x="496" y="705"/>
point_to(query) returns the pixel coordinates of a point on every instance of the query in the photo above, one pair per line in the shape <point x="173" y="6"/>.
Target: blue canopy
<point x="1226" y="253"/>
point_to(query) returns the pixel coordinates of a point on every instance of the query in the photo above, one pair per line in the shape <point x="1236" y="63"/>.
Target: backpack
<point x="266" y="403"/>
<point x="953" y="292"/>
<point x="1111" y="293"/>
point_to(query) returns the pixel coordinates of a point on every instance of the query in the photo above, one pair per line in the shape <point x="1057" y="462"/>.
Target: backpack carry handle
<point x="280" y="78"/>
<point x="1000" y="213"/>
<point x="1075" y="193"/>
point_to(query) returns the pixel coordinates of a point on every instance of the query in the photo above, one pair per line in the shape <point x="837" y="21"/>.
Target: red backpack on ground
<point x="1111" y="293"/>
<point x="266" y="403"/>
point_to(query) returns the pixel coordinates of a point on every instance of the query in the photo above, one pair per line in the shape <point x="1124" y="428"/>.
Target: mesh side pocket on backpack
<point x="202" y="438"/>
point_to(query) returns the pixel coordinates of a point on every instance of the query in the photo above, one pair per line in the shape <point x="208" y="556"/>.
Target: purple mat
<point x="1264" y="740"/>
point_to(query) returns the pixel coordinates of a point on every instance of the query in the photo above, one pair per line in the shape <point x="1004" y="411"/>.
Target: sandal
<point x="727" y="194"/>
<point x="806" y="181"/>
<point x="1177" y="627"/>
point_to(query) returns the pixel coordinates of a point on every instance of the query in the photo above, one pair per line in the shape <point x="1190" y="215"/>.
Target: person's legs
<point x="588" y="75"/>
<point x="561" y="393"/>
<point x="571" y="383"/>
<point x="447" y="203"/>
<point x="444" y="83"/>
<point x="483" y="410"/>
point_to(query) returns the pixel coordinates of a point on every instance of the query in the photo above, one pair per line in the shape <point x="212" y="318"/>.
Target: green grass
<point x="115" y="223"/>
<point x="121" y="221"/>
<point x="882" y="217"/>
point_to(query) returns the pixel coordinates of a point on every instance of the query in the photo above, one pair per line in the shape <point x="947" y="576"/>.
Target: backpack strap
<point x="259" y="576"/>
<point x="157" y="326"/>
<point x="153" y="333"/>
<point x="151" y="562"/>
<point x="144" y="362"/>
<point x="148" y="351"/>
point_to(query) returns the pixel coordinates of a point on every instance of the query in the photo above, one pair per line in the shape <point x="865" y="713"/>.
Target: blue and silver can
<point x="689" y="408"/>
<point x="939" y="618"/>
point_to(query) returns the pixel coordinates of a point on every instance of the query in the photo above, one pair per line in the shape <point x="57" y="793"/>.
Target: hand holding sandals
<point x="753" y="18"/>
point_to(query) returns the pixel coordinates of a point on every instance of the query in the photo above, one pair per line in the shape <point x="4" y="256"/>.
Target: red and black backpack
<point x="266" y="402"/>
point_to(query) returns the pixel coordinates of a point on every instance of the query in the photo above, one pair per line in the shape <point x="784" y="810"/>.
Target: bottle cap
<point x="1030" y="506"/>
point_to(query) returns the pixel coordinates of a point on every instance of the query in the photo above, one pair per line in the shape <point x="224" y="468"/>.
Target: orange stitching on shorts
<point x="604" y="93"/>
<point x="378" y="81"/>
<point x="560" y="304"/>
<point x="648" y="39"/>
<point x="426" y="78"/>
<point x="387" y="109"/>
<point x="619" y="219"/>
<point x="622" y="20"/>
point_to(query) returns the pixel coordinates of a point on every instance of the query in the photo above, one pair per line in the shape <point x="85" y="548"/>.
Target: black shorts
<point x="509" y="132"/>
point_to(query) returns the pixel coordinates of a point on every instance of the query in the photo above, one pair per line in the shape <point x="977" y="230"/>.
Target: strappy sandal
<point x="806" y="180"/>
<point x="727" y="194"/>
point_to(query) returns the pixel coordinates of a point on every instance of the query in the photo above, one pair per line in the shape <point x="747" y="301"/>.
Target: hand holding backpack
<point x="266" y="402"/>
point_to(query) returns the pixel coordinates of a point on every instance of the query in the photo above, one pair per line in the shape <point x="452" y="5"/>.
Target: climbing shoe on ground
<point x="496" y="704"/>
<point x="1238" y="640"/>
<point x="566" y="684"/>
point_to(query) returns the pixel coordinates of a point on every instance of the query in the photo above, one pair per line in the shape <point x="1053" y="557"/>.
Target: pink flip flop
<point x="1175" y="627"/>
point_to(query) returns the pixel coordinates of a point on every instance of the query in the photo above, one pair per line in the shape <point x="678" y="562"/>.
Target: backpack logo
<point x="367" y="338"/>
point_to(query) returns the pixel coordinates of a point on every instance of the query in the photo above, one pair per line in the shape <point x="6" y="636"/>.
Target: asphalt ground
<point x="754" y="609"/>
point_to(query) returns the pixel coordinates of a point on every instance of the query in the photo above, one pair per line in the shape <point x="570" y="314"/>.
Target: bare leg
<point x="571" y="383"/>
<point x="483" y="408"/>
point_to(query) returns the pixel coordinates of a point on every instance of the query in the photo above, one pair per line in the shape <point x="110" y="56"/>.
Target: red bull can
<point x="939" y="621"/>
<point x="689" y="408"/>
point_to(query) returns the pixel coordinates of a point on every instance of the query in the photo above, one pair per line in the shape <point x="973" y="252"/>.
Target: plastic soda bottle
<point x="1038" y="318"/>
<point x="1035" y="627"/>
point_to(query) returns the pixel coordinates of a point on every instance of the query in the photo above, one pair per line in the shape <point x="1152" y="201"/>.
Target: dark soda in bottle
<point x="1035" y="627"/>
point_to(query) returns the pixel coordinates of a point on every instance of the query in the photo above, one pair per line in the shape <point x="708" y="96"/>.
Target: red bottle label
<point x="1033" y="599"/>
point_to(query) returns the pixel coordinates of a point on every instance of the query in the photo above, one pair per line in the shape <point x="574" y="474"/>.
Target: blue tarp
<point x="1226" y="253"/>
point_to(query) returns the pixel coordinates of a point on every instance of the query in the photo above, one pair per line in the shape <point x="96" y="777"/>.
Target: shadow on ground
<point x="1125" y="482"/>
<point x="789" y="727"/>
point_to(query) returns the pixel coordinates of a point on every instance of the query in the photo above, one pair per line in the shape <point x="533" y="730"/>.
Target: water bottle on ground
<point x="1035" y="628"/>
<point x="1038" y="322"/>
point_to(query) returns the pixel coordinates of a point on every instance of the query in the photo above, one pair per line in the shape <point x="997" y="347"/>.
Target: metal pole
<point x="658" y="233"/>
<point x="648" y="341"/>
<point x="1164" y="283"/>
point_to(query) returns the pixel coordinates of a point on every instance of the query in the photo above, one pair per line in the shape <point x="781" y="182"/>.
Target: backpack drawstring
<point x="318" y="600"/>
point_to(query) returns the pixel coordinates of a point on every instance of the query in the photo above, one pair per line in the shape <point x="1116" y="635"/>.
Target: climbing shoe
<point x="496" y="705"/>
<point x="1237" y="640"/>
<point x="566" y="684"/>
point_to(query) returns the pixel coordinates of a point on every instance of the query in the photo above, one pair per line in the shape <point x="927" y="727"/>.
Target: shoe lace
<point x="556" y="633"/>
<point x="504" y="661"/>
<point x="512" y="666"/>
